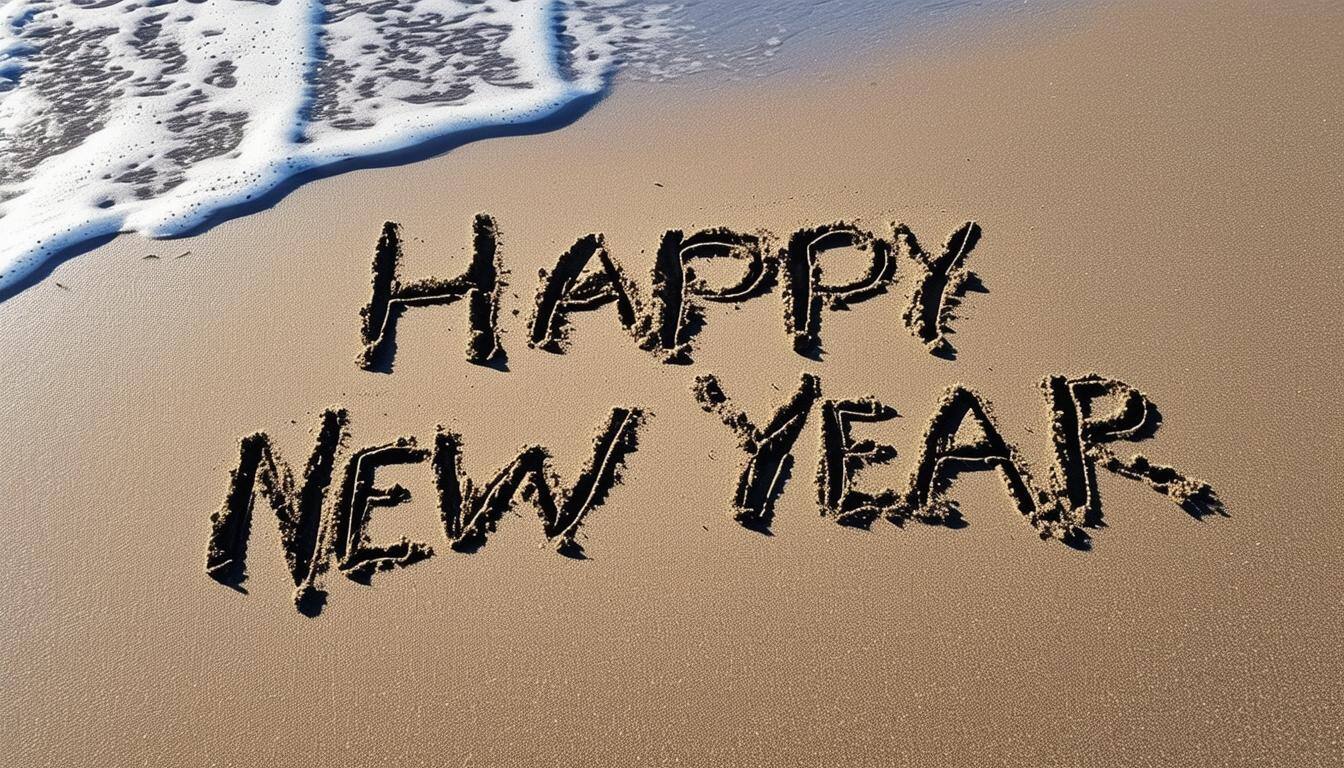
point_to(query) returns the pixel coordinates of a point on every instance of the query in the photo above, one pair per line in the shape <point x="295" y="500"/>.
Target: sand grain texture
<point x="1156" y="189"/>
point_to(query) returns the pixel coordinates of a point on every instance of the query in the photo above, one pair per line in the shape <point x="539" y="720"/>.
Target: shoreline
<point x="584" y="92"/>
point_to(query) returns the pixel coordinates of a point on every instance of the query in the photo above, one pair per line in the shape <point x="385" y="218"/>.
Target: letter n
<point x="299" y="511"/>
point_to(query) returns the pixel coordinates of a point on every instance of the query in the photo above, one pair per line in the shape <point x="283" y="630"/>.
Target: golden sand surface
<point x="1158" y="187"/>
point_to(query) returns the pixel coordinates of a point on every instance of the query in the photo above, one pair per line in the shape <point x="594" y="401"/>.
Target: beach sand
<point x="1159" y="190"/>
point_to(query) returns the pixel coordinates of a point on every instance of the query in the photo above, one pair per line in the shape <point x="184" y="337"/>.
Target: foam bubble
<point x="153" y="117"/>
<point x="161" y="116"/>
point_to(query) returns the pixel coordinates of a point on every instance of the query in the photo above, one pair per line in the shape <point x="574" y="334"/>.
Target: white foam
<point x="159" y="116"/>
<point x="155" y="116"/>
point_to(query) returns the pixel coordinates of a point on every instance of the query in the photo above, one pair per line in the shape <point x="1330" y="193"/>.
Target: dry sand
<point x="1159" y="191"/>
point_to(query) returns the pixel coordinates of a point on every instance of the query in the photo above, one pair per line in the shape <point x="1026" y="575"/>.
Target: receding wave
<point x="164" y="116"/>
<point x="156" y="115"/>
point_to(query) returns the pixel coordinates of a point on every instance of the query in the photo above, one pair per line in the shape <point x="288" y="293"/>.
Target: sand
<point x="1157" y="191"/>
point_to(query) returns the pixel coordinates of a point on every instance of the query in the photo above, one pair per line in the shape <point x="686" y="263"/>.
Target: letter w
<point x="471" y="514"/>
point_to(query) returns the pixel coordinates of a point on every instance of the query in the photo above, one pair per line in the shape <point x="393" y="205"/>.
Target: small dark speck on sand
<point x="150" y="257"/>
<point x="182" y="255"/>
<point x="63" y="286"/>
<point x="657" y="184"/>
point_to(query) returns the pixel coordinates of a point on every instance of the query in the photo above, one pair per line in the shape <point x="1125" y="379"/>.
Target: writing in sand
<point x="324" y="510"/>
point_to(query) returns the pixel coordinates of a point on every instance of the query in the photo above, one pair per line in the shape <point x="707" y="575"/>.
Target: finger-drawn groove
<point x="804" y="292"/>
<point x="1080" y="437"/>
<point x="358" y="557"/>
<point x="769" y="450"/>
<point x="470" y="514"/>
<point x="940" y="286"/>
<point x="300" y="515"/>
<point x="480" y="285"/>
<point x="567" y="289"/>
<point x="842" y="458"/>
<point x="942" y="458"/>
<point x="676" y="317"/>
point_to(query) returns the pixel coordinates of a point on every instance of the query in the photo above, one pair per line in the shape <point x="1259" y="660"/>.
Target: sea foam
<point x="156" y="116"/>
<point x="165" y="116"/>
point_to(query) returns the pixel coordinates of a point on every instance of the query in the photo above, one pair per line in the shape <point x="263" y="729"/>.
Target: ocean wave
<point x="164" y="117"/>
<point x="154" y="116"/>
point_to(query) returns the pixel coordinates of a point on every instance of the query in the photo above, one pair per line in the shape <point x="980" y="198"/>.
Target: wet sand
<point x="1158" y="190"/>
